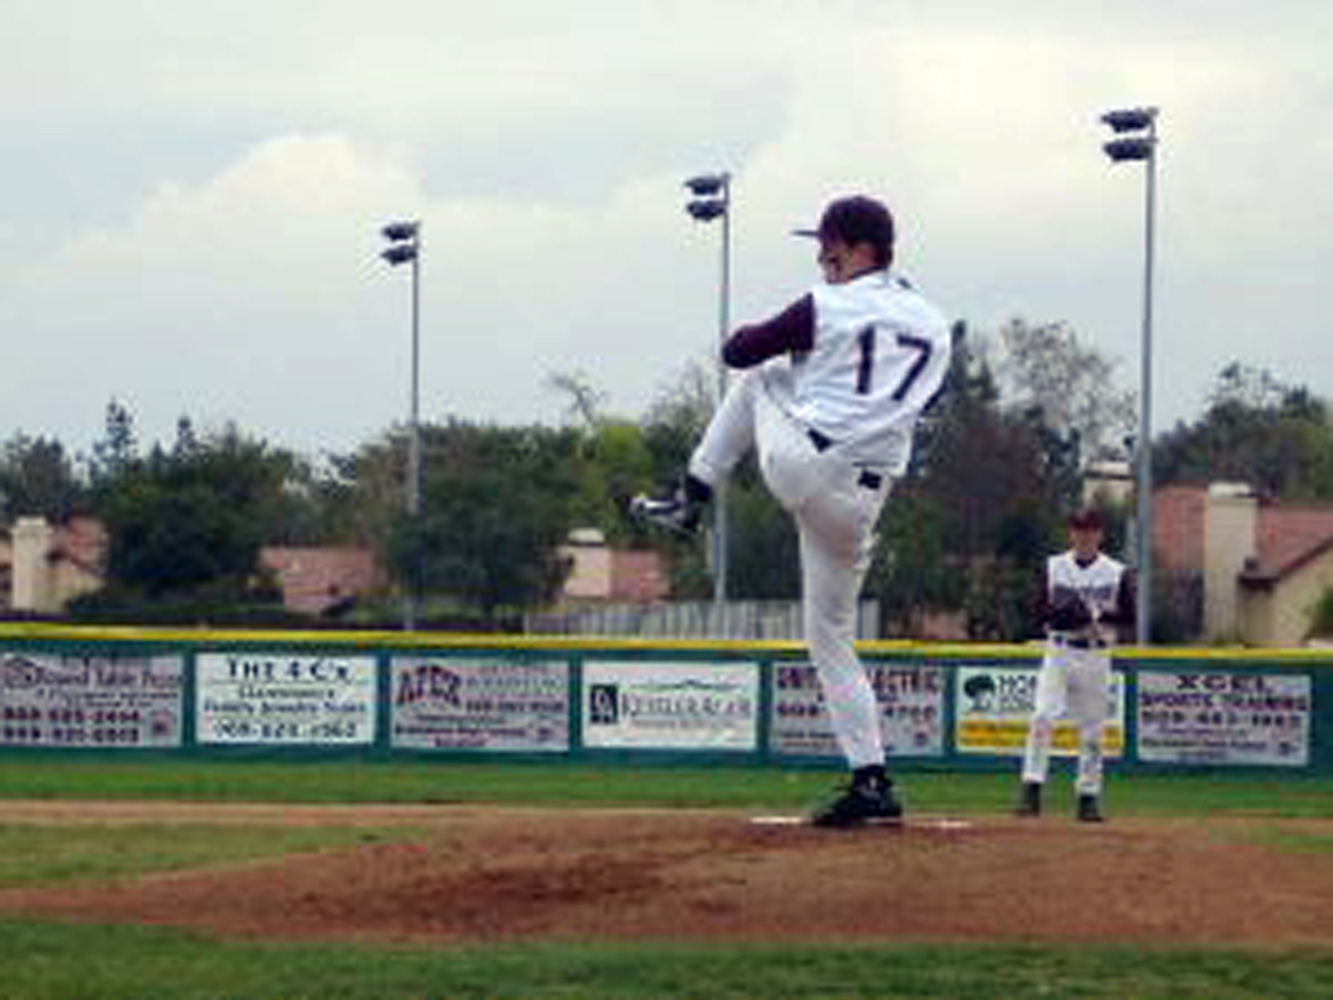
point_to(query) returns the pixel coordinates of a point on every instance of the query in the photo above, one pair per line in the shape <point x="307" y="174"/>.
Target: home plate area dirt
<point x="467" y="875"/>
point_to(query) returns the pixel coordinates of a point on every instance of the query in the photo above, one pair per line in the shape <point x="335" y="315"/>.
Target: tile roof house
<point x="1264" y="563"/>
<point x="44" y="567"/>
<point x="600" y="573"/>
<point x="320" y="581"/>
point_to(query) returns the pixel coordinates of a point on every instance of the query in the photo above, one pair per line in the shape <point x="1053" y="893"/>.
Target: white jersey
<point x="1097" y="583"/>
<point x="880" y="353"/>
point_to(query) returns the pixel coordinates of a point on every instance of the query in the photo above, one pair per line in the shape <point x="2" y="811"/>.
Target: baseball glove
<point x="1069" y="612"/>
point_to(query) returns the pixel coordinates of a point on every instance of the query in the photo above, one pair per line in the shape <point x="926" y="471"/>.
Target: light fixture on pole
<point x="1136" y="140"/>
<point x="405" y="248"/>
<point x="711" y="199"/>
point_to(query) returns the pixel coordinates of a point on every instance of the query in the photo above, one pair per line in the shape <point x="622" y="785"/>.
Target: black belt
<point x="1079" y="643"/>
<point x="822" y="442"/>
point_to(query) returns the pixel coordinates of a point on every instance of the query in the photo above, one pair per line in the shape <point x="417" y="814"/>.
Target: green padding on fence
<point x="220" y="691"/>
<point x="393" y="640"/>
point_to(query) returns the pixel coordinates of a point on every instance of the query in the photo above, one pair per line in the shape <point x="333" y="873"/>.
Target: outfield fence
<point x="179" y="691"/>
<point x="766" y="620"/>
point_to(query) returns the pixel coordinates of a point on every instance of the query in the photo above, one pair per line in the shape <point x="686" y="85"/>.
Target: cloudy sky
<point x="192" y="193"/>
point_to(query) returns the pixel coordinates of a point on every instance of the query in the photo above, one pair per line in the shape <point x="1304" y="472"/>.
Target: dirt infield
<point x="467" y="875"/>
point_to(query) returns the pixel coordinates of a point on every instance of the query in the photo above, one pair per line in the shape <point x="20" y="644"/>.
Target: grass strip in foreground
<point x="46" y="961"/>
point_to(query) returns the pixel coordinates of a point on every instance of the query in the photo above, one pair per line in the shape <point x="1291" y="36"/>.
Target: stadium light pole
<point x="405" y="248"/>
<point x="710" y="198"/>
<point x="1136" y="140"/>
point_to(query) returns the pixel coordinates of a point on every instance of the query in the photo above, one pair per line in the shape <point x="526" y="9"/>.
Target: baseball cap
<point x="855" y="219"/>
<point x="1087" y="519"/>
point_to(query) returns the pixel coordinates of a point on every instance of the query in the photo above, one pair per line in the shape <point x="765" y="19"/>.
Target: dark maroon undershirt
<point x="793" y="329"/>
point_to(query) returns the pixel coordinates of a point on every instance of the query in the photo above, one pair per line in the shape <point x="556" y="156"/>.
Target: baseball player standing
<point x="829" y="397"/>
<point x="1087" y="597"/>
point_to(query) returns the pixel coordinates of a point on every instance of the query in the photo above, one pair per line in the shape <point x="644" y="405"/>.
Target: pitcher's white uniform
<point x="832" y="392"/>
<point x="1076" y="667"/>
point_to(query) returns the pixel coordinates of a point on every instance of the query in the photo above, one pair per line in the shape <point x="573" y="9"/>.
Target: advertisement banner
<point x="911" y="706"/>
<point x="282" y="699"/>
<point x="90" y="701"/>
<point x="671" y="705"/>
<point x="1193" y="717"/>
<point x="480" y="704"/>
<point x="994" y="704"/>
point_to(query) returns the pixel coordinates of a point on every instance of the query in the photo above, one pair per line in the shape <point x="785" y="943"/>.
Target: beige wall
<point x="37" y="581"/>
<point x="590" y="573"/>
<point x="1108" y="481"/>
<point x="1230" y="537"/>
<point x="69" y="581"/>
<point x="1280" y="615"/>
<point x="33" y="586"/>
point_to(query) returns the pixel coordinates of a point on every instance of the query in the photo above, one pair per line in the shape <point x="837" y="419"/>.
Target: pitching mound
<point x="480" y="875"/>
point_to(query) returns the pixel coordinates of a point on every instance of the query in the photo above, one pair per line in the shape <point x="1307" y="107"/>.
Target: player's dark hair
<point x="859" y="219"/>
<point x="1087" y="518"/>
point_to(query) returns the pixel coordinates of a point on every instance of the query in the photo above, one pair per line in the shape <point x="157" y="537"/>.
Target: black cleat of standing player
<point x="1089" y="809"/>
<point x="866" y="800"/>
<point x="1029" y="800"/>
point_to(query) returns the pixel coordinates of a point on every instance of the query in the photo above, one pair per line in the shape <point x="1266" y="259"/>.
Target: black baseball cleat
<point x="1090" y="810"/>
<point x="674" y="513"/>
<point x="1029" y="800"/>
<point x="861" y="803"/>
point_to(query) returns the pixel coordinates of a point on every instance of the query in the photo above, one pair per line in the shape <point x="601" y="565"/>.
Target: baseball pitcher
<point x="830" y="394"/>
<point x="1088" y="596"/>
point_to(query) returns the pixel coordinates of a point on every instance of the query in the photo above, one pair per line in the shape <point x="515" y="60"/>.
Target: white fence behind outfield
<point x="691" y="620"/>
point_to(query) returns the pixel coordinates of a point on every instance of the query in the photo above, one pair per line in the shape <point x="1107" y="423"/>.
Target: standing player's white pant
<point x="835" y="504"/>
<point x="1073" y="682"/>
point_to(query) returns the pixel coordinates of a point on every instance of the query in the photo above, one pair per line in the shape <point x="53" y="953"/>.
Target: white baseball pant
<point x="835" y="505"/>
<point x="1073" y="682"/>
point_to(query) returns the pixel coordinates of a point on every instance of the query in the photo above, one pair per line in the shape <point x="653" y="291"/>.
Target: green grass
<point x="556" y="784"/>
<point x="54" y="962"/>
<point x="1298" y="841"/>
<point x="41" y="855"/>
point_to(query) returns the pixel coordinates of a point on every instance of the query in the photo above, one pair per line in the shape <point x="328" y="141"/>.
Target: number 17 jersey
<point x="879" y="354"/>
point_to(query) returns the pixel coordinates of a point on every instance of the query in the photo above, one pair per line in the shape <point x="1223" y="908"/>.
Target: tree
<point x="187" y="442"/>
<point x="318" y="505"/>
<point x="190" y="522"/>
<point x="585" y="402"/>
<point x="612" y="464"/>
<point x="37" y="479"/>
<point x="1320" y="614"/>
<point x="1256" y="430"/>
<point x="914" y="570"/>
<point x="119" y="446"/>
<point x="171" y="536"/>
<point x="984" y="462"/>
<point x="495" y="509"/>
<point x="1045" y="368"/>
<point x="612" y="460"/>
<point x="677" y="420"/>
